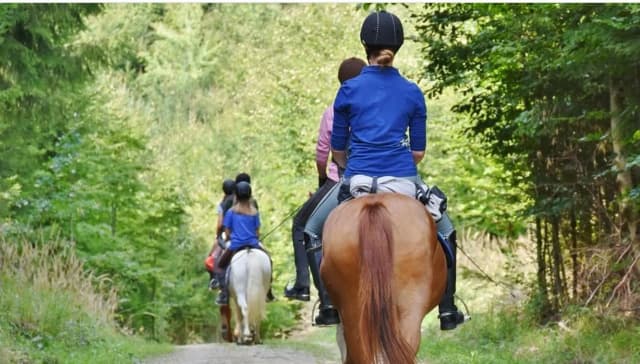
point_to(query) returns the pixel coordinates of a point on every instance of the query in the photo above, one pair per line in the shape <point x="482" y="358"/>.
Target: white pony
<point x="249" y="281"/>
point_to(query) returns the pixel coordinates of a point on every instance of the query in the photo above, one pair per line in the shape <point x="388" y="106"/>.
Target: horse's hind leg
<point x="342" y="345"/>
<point x="245" y="337"/>
<point x="256" y="333"/>
<point x="237" y="324"/>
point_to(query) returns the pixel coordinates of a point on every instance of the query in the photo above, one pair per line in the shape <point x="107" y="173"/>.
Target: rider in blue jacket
<point x="381" y="117"/>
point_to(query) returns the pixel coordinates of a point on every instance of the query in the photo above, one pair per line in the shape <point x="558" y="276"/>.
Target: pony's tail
<point x="255" y="289"/>
<point x="382" y="339"/>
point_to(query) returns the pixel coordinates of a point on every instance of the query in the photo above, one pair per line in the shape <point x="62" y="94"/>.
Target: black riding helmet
<point x="243" y="177"/>
<point x="228" y="186"/>
<point x="381" y="30"/>
<point x="243" y="190"/>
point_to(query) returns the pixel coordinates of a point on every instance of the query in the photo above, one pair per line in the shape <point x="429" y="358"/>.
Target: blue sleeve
<point x="226" y="222"/>
<point x="340" y="132"/>
<point x="418" y="123"/>
<point x="257" y="221"/>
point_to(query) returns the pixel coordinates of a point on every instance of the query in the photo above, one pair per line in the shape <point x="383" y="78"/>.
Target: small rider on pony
<point x="242" y="230"/>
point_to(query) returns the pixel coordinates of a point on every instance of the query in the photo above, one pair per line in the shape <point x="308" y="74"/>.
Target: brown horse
<point x="225" y="323"/>
<point x="384" y="270"/>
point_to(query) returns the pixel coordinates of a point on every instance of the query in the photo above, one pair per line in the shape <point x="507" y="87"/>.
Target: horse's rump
<point x="384" y="270"/>
<point x="249" y="281"/>
<point x="250" y="275"/>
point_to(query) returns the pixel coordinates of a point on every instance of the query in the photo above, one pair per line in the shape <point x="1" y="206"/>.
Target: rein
<point x="485" y="274"/>
<point x="291" y="213"/>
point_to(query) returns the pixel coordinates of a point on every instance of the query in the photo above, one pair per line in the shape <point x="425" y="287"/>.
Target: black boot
<point x="300" y="289"/>
<point x="216" y="278"/>
<point x="450" y="317"/>
<point x="327" y="315"/>
<point x="223" y="295"/>
<point x="213" y="281"/>
<point x="297" y="293"/>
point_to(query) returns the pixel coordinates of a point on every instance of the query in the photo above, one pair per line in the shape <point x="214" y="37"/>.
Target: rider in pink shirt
<point x="323" y="147"/>
<point x="327" y="179"/>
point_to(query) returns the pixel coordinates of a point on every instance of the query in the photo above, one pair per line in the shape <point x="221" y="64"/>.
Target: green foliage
<point x="119" y="133"/>
<point x="39" y="81"/>
<point x="509" y="336"/>
<point x="210" y="111"/>
<point x="87" y="181"/>
<point x="481" y="192"/>
<point x="52" y="311"/>
<point x="547" y="89"/>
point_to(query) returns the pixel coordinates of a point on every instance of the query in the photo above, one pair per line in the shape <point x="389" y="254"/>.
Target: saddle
<point x="228" y="254"/>
<point x="359" y="185"/>
<point x="433" y="198"/>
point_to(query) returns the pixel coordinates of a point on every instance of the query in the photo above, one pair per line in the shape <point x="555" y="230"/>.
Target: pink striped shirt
<point x="323" y="147"/>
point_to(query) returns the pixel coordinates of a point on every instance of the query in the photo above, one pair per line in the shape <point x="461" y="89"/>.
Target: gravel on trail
<point x="228" y="353"/>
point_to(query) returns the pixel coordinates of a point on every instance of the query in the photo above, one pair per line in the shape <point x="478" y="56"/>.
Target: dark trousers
<point x="297" y="234"/>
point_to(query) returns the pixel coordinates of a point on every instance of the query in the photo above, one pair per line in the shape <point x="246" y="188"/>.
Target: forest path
<point x="228" y="353"/>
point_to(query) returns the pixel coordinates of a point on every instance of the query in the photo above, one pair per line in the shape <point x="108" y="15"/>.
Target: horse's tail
<point x="256" y="289"/>
<point x="382" y="339"/>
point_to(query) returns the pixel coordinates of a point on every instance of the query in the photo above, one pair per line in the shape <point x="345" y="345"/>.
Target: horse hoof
<point x="244" y="342"/>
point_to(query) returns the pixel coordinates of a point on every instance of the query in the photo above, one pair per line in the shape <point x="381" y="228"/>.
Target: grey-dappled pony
<point x="384" y="270"/>
<point x="249" y="281"/>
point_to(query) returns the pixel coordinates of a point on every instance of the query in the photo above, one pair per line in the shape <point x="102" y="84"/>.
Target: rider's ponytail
<point x="383" y="57"/>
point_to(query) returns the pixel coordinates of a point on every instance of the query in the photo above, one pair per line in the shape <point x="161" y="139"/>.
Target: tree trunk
<point x="625" y="182"/>
<point x="574" y="255"/>
<point x="624" y="178"/>
<point x="557" y="269"/>
<point x="586" y="228"/>
<point x="542" y="267"/>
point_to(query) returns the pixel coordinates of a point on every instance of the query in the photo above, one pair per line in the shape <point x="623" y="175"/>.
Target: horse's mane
<point x="382" y="340"/>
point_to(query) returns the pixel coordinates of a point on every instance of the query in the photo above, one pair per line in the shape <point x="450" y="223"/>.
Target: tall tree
<point x="41" y="80"/>
<point x="553" y="90"/>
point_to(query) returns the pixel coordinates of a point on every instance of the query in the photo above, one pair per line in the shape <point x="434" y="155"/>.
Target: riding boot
<point x="450" y="317"/>
<point x="213" y="281"/>
<point x="217" y="278"/>
<point x="327" y="315"/>
<point x="223" y="295"/>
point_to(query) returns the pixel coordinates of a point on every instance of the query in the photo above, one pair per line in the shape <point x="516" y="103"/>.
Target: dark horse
<point x="384" y="270"/>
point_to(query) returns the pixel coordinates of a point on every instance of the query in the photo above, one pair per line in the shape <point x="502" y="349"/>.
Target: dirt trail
<point x="234" y="354"/>
<point x="230" y="353"/>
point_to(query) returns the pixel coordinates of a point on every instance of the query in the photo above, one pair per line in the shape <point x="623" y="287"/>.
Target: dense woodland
<point x="120" y="121"/>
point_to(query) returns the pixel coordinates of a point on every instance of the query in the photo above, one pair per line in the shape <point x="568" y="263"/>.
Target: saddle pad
<point x="362" y="185"/>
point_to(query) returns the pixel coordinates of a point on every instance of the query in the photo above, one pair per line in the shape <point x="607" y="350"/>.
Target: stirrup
<point x="327" y="316"/>
<point x="450" y="320"/>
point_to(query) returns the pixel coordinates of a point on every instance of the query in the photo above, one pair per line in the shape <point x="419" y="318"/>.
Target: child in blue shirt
<point x="242" y="228"/>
